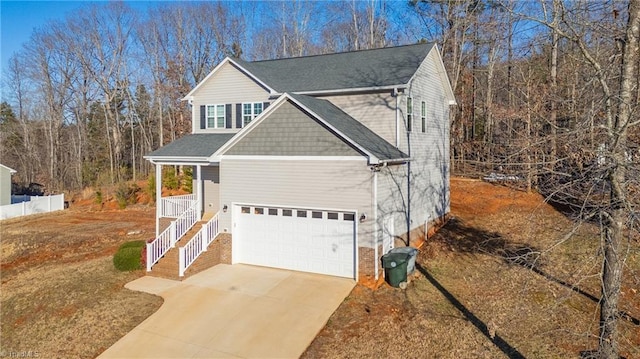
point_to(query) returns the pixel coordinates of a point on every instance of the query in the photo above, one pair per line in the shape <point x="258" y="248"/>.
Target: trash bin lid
<point x="391" y="260"/>
<point x="408" y="250"/>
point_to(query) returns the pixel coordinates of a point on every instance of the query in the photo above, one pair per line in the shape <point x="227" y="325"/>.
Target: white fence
<point x="35" y="204"/>
<point x="198" y="244"/>
<point x="175" y="206"/>
<point x="168" y="238"/>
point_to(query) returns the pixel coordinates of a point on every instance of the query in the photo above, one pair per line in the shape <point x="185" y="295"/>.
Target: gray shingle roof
<point x="351" y="128"/>
<point x="194" y="145"/>
<point x="347" y="70"/>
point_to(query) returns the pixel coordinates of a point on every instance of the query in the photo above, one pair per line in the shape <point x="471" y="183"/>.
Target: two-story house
<point x="313" y="163"/>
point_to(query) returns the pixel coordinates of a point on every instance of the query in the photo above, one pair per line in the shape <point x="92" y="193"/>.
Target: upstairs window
<point x="409" y="113"/>
<point x="423" y="115"/>
<point x="250" y="111"/>
<point x="215" y="116"/>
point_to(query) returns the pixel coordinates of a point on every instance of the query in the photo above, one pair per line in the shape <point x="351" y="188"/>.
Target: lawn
<point x="501" y="279"/>
<point x="61" y="296"/>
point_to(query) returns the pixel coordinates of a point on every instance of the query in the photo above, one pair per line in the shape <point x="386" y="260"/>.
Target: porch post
<point x="199" y="191"/>
<point x="158" y="197"/>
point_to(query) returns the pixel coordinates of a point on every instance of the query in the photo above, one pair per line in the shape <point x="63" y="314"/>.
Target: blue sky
<point x="18" y="19"/>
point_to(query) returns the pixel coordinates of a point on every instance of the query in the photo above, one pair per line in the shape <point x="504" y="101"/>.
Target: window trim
<point x="216" y="116"/>
<point x="252" y="113"/>
<point x="423" y="112"/>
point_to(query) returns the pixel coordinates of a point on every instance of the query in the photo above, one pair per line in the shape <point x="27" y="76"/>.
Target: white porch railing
<point x="168" y="238"/>
<point x="198" y="244"/>
<point x="175" y="206"/>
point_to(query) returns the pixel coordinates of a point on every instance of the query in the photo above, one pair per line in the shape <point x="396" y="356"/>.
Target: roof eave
<point x="195" y="159"/>
<point x="347" y="90"/>
<point x="392" y="161"/>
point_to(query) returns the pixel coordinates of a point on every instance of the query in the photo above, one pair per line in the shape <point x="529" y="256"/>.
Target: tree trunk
<point x="615" y="220"/>
<point x="553" y="86"/>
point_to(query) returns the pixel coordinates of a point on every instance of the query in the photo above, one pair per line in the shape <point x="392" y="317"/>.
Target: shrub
<point x="187" y="179"/>
<point x="127" y="258"/>
<point x="98" y="197"/>
<point x="126" y="194"/>
<point x="132" y="244"/>
<point x="151" y="187"/>
<point x="169" y="178"/>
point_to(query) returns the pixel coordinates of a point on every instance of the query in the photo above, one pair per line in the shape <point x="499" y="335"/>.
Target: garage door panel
<point x="306" y="240"/>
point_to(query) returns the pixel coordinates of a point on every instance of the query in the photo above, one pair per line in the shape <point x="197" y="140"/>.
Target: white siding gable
<point x="228" y="85"/>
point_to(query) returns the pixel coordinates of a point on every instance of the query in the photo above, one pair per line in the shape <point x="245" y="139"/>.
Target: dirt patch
<point x="60" y="295"/>
<point x="501" y="279"/>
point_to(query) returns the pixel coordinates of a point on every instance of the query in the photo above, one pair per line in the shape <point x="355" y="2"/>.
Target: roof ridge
<point x="336" y="53"/>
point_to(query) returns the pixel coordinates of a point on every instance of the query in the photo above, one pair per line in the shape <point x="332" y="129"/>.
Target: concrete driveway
<point x="233" y="311"/>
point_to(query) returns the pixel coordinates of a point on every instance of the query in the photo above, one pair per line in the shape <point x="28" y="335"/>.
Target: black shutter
<point x="238" y="115"/>
<point x="203" y="117"/>
<point x="265" y="105"/>
<point x="227" y="111"/>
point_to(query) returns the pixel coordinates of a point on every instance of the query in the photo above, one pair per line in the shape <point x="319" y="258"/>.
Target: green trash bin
<point x="395" y="268"/>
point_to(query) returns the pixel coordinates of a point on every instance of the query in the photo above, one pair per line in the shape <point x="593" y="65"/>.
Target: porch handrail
<point x="185" y="221"/>
<point x="159" y="246"/>
<point x="168" y="238"/>
<point x="174" y="206"/>
<point x="198" y="244"/>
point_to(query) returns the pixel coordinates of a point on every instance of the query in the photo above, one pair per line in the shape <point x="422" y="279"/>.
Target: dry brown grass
<point x="477" y="296"/>
<point x="60" y="295"/>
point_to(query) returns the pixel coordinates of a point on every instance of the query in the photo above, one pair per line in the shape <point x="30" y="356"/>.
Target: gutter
<point x="174" y="162"/>
<point x="345" y="91"/>
<point x="395" y="94"/>
<point x="395" y="161"/>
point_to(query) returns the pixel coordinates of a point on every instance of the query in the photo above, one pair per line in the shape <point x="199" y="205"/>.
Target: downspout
<point x="408" y="198"/>
<point x="408" y="184"/>
<point x="375" y="220"/>
<point x="395" y="94"/>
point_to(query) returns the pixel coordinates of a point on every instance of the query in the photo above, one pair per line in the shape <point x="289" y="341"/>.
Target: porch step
<point x="206" y="216"/>
<point x="168" y="266"/>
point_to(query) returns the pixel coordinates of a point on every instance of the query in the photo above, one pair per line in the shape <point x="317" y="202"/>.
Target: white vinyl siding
<point x="227" y="86"/>
<point x="375" y="110"/>
<point x="319" y="184"/>
<point x="5" y="186"/>
<point x="430" y="197"/>
<point x="430" y="150"/>
<point x="211" y="188"/>
<point x="392" y="190"/>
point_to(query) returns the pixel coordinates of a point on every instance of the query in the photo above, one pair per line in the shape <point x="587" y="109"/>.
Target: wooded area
<point x="88" y="96"/>
<point x="547" y="91"/>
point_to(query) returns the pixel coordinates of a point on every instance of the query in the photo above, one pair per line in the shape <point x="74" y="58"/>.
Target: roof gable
<point x="289" y="131"/>
<point x="337" y="122"/>
<point x="225" y="64"/>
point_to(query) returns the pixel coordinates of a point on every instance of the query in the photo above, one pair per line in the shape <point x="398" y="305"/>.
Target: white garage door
<point x="317" y="241"/>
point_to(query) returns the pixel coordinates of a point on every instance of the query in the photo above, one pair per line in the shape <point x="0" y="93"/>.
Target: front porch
<point x="184" y="229"/>
<point x="185" y="236"/>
